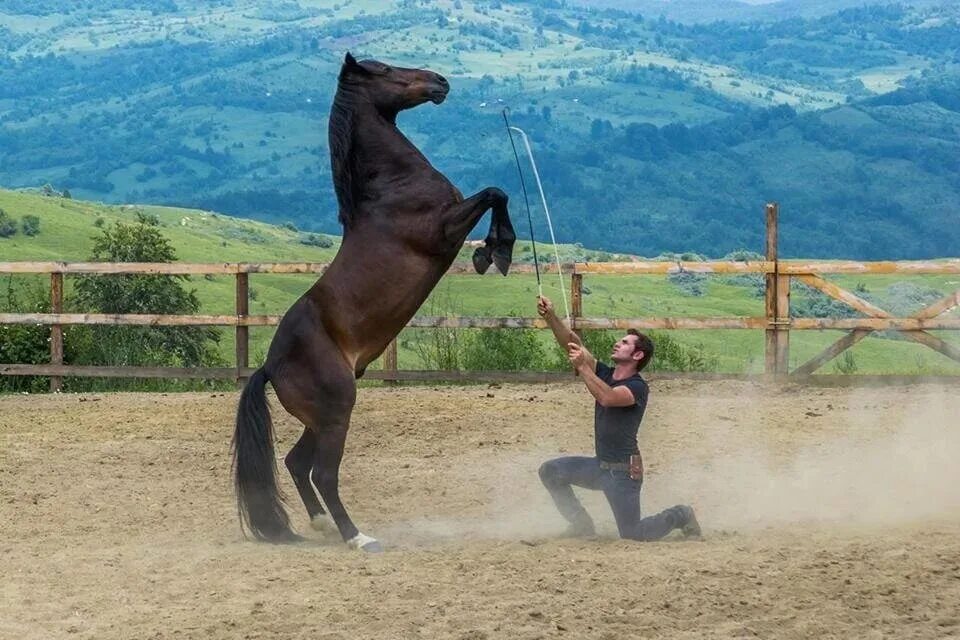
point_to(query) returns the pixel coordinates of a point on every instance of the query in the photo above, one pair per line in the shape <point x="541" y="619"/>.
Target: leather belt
<point x="615" y="466"/>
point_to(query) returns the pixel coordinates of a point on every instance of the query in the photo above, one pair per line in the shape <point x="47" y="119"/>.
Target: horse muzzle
<point x="440" y="90"/>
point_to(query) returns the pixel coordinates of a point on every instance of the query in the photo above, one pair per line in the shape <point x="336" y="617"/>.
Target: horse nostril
<point x="443" y="82"/>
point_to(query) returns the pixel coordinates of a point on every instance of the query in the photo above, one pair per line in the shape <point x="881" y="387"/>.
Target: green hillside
<point x="67" y="227"/>
<point x="678" y="129"/>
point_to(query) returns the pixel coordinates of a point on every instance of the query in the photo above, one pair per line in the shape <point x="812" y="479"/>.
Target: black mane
<point x="346" y="181"/>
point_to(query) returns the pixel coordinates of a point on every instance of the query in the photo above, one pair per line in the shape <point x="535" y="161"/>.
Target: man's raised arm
<point x="561" y="331"/>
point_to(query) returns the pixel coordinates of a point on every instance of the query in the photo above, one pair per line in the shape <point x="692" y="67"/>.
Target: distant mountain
<point x="693" y="11"/>
<point x="651" y="134"/>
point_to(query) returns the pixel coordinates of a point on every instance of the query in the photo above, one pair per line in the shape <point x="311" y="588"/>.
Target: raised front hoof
<point x="361" y="542"/>
<point x="502" y="260"/>
<point x="482" y="260"/>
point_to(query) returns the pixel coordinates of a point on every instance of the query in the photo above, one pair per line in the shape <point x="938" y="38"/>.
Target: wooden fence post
<point x="56" y="331"/>
<point x="772" y="350"/>
<point x="783" y="324"/>
<point x="243" y="332"/>
<point x="390" y="363"/>
<point x="576" y="301"/>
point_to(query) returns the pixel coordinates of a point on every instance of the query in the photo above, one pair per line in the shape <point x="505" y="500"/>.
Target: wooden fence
<point x="776" y="321"/>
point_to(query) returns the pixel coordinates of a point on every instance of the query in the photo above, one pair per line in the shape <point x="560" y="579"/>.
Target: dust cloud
<point x="859" y="469"/>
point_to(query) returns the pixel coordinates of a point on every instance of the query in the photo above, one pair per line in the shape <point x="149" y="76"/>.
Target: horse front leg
<point x="501" y="230"/>
<point x="462" y="217"/>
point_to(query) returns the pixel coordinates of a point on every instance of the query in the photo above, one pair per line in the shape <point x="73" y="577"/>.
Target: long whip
<point x="526" y="201"/>
<point x="546" y="210"/>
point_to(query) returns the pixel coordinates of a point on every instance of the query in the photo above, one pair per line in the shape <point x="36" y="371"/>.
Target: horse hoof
<point x="361" y="542"/>
<point x="502" y="261"/>
<point x="481" y="260"/>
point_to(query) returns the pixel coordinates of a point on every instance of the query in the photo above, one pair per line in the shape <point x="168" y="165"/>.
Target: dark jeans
<point x="622" y="492"/>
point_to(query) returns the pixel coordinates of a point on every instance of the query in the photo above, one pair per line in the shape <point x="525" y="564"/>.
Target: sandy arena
<point x="828" y="513"/>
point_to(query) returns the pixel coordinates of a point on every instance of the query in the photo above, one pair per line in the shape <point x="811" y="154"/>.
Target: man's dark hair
<point x="645" y="344"/>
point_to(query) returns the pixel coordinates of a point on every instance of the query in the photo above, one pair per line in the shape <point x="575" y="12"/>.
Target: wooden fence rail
<point x="776" y="321"/>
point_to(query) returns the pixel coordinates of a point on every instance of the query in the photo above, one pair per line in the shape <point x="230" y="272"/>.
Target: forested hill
<point x="652" y="134"/>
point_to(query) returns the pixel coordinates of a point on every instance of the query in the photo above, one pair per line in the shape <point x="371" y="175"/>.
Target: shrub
<point x="689" y="283"/>
<point x="23" y="343"/>
<point x="316" y="240"/>
<point x="815" y="304"/>
<point x="743" y="255"/>
<point x="668" y="353"/>
<point x="7" y="226"/>
<point x="904" y="298"/>
<point x="439" y="348"/>
<point x="30" y="225"/>
<point x="503" y="350"/>
<point x="671" y="355"/>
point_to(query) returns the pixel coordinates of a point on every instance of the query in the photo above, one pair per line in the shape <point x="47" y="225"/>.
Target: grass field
<point x="67" y="228"/>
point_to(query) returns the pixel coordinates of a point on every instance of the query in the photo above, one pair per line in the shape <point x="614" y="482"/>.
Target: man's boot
<point x="688" y="522"/>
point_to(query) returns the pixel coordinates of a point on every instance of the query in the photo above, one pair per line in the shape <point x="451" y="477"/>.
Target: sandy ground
<point x="828" y="514"/>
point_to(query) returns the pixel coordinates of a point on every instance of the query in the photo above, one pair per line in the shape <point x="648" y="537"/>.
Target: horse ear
<point x="350" y="65"/>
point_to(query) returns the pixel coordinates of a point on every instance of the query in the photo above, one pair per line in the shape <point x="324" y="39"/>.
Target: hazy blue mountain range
<point x="654" y="130"/>
<point x="692" y="11"/>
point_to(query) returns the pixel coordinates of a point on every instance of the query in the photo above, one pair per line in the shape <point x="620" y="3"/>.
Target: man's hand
<point x="578" y="355"/>
<point x="544" y="306"/>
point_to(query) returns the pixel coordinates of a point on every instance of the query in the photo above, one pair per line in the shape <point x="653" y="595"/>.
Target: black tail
<point x="255" y="468"/>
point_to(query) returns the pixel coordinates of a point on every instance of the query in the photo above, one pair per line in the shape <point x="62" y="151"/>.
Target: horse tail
<point x="259" y="501"/>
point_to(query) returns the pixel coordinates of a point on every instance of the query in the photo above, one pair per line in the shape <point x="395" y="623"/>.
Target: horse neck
<point x="383" y="146"/>
<point x="365" y="143"/>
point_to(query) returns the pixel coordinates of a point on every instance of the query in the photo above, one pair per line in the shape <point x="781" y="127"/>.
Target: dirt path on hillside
<point x="828" y="513"/>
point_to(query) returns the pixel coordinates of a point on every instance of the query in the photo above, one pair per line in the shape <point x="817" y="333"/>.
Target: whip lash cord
<point x="526" y="201"/>
<point x="546" y="210"/>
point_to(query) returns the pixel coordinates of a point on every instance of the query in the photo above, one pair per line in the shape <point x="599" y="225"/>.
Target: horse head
<point x="392" y="89"/>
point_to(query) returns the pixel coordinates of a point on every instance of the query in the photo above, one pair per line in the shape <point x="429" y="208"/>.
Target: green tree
<point x="144" y="294"/>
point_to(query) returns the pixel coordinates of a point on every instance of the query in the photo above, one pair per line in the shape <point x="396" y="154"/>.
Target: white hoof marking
<point x="363" y="542"/>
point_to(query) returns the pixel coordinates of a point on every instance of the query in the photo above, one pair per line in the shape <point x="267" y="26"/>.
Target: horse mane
<point x="346" y="178"/>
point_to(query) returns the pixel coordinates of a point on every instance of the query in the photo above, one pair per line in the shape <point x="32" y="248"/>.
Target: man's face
<point x="625" y="349"/>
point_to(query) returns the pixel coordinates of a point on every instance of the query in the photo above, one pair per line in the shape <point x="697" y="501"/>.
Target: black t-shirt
<point x="615" y="428"/>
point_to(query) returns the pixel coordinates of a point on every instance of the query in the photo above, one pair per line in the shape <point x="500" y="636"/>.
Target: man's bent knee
<point x="549" y="474"/>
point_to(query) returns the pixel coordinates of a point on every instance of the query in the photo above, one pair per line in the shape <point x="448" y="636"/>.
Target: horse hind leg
<point x="299" y="462"/>
<point x="320" y="390"/>
<point x="331" y="435"/>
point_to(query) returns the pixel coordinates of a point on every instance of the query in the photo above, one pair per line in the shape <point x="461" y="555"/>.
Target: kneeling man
<point x="617" y="469"/>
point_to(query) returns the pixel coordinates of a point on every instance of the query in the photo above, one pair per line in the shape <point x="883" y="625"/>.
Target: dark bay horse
<point x="403" y="225"/>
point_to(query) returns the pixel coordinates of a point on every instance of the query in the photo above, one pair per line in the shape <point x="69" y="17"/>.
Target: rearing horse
<point x="403" y="225"/>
